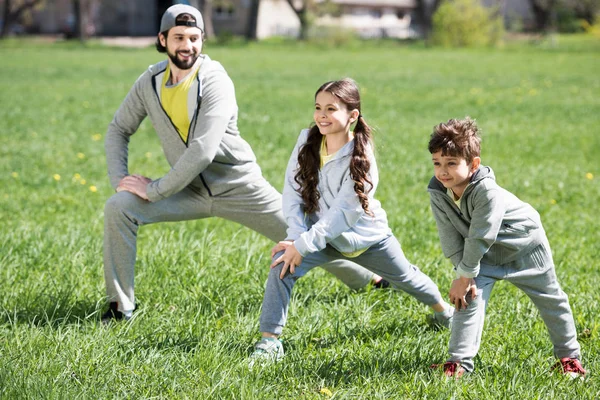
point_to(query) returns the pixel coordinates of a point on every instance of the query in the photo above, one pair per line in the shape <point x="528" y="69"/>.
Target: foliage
<point x="459" y="23"/>
<point x="200" y="283"/>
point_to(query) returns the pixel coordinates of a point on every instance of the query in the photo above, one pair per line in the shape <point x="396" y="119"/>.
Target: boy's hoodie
<point x="492" y="225"/>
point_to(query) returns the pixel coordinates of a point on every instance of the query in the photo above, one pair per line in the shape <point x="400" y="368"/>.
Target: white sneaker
<point x="266" y="351"/>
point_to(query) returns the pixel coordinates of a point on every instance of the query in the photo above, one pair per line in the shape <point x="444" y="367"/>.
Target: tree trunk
<point x="253" y="20"/>
<point x="543" y="12"/>
<point x="207" y="12"/>
<point x="301" y="13"/>
<point x="11" y="16"/>
<point x="5" y="18"/>
<point x="425" y="10"/>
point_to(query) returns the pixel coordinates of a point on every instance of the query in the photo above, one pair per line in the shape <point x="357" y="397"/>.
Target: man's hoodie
<point x="215" y="158"/>
<point x="492" y="225"/>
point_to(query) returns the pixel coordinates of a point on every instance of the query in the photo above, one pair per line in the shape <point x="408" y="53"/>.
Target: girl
<point x="331" y="213"/>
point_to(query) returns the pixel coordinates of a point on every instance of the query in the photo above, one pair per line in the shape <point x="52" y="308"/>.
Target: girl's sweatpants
<point x="255" y="205"/>
<point x="385" y="259"/>
<point x="534" y="274"/>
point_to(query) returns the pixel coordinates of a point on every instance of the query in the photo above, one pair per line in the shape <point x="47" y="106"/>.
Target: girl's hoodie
<point x="340" y="221"/>
<point x="492" y="226"/>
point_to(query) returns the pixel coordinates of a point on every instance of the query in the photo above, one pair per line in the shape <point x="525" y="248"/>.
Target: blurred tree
<point x="207" y="13"/>
<point x="544" y="12"/>
<point x="14" y="11"/>
<point x="586" y="9"/>
<point x="301" y="7"/>
<point x="466" y="23"/>
<point x="307" y="10"/>
<point x="424" y="11"/>
<point x="252" y="20"/>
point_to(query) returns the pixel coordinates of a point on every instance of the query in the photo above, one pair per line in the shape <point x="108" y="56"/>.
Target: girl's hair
<point x="309" y="161"/>
<point x="456" y="138"/>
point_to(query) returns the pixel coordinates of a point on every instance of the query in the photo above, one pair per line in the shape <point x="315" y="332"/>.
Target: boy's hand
<point x="461" y="287"/>
<point x="290" y="258"/>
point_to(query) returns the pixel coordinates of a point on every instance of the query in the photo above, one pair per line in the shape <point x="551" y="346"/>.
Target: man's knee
<point x="119" y="203"/>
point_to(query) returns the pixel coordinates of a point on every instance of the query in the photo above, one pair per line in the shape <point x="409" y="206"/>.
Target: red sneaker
<point x="452" y="369"/>
<point x="571" y="367"/>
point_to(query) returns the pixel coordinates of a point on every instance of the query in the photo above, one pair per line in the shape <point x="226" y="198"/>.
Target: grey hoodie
<point x="492" y="225"/>
<point x="340" y="220"/>
<point x="215" y="157"/>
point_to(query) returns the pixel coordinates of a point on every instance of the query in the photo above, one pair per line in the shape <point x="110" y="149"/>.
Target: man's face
<point x="183" y="44"/>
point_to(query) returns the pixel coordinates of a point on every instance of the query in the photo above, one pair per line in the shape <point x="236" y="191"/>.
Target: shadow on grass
<point x="51" y="310"/>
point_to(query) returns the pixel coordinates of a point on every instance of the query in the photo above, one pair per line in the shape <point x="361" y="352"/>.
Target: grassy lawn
<point x="200" y="284"/>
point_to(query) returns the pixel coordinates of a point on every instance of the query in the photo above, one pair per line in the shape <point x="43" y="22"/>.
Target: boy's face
<point x="454" y="172"/>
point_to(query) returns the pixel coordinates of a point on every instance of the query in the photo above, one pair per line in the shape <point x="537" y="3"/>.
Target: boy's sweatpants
<point x="534" y="274"/>
<point x="385" y="259"/>
<point x="256" y="205"/>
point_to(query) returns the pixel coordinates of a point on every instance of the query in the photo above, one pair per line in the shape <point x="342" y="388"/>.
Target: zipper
<point x="163" y="109"/>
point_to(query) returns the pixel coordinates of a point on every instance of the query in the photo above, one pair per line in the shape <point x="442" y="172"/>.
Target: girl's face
<point x="332" y="116"/>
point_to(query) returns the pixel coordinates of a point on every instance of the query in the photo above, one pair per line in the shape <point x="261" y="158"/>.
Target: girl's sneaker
<point x="571" y="367"/>
<point x="266" y="351"/>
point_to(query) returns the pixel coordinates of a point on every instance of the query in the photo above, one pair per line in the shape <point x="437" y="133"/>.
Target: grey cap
<point x="168" y="19"/>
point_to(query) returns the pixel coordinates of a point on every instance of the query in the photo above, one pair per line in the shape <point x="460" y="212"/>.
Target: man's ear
<point x="162" y="39"/>
<point x="475" y="163"/>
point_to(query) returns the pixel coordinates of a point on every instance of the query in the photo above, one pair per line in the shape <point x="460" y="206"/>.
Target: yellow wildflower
<point x="552" y="201"/>
<point x="93" y="189"/>
<point x="81" y="156"/>
<point x="83" y="181"/>
<point x="14" y="174"/>
<point x="56" y="177"/>
<point x="589" y="175"/>
<point x="326" y="392"/>
<point x="96" y="137"/>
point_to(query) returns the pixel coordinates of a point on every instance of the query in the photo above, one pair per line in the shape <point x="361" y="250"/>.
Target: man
<point x="191" y="103"/>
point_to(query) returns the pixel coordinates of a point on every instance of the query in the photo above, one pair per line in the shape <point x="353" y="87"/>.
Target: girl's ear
<point x="354" y="115"/>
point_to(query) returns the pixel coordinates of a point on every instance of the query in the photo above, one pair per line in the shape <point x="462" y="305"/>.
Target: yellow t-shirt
<point x="174" y="100"/>
<point x="451" y="194"/>
<point x="325" y="158"/>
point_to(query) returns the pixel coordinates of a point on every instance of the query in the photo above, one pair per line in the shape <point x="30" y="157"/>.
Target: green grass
<point x="200" y="283"/>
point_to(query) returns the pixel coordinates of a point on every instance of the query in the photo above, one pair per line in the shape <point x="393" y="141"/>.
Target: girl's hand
<point x="290" y="258"/>
<point x="461" y="287"/>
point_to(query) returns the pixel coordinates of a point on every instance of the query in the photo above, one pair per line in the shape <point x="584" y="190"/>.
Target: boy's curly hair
<point x="456" y="138"/>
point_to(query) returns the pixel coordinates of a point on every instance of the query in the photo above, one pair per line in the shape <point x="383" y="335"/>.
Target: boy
<point x="489" y="235"/>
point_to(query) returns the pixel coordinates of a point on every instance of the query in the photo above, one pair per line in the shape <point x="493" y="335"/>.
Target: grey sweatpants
<point x="385" y="259"/>
<point x="534" y="274"/>
<point x="256" y="205"/>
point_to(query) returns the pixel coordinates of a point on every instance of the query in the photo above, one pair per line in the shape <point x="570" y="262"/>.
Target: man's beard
<point x="181" y="64"/>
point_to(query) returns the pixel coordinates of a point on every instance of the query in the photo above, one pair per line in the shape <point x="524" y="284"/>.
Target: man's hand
<point x="290" y="258"/>
<point x="135" y="184"/>
<point x="461" y="287"/>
